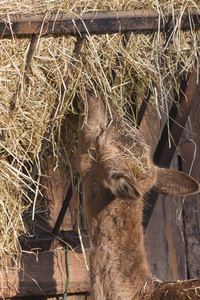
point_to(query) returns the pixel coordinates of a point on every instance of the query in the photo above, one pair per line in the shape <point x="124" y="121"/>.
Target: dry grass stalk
<point x="125" y="74"/>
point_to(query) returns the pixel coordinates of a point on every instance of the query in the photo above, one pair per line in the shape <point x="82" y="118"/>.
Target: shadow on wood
<point x="44" y="273"/>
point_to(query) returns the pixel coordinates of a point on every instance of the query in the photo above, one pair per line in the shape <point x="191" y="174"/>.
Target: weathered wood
<point x="143" y="108"/>
<point x="190" y="149"/>
<point x="94" y="22"/>
<point x="173" y="249"/>
<point x="45" y="240"/>
<point x="44" y="274"/>
<point x="65" y="205"/>
<point x="177" y="119"/>
<point x="164" y="241"/>
<point x="56" y="180"/>
<point x="176" y="256"/>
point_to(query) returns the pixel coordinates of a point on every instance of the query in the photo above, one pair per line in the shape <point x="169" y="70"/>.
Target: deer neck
<point x="118" y="264"/>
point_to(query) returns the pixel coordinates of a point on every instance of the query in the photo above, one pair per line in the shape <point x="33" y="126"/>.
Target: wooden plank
<point x="173" y="251"/>
<point x="176" y="262"/>
<point x="56" y="182"/>
<point x="94" y="22"/>
<point x="65" y="205"/>
<point x="156" y="244"/>
<point x="164" y="240"/>
<point x="177" y="119"/>
<point x="44" y="274"/>
<point x="190" y="149"/>
<point x="45" y="240"/>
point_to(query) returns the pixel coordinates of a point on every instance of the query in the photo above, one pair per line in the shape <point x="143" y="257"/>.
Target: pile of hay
<point x="125" y="74"/>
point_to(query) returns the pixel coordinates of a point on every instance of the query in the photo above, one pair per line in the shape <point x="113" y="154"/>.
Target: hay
<point x="125" y="74"/>
<point x="74" y="6"/>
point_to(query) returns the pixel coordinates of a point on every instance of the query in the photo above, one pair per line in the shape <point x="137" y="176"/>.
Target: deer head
<point x="118" y="153"/>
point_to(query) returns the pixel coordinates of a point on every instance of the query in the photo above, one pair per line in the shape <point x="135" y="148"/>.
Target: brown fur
<point x="116" y="169"/>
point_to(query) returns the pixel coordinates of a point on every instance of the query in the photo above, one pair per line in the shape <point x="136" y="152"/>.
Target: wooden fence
<point x="172" y="228"/>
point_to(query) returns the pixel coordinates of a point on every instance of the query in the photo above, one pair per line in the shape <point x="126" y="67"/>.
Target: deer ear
<point x="175" y="183"/>
<point x="123" y="187"/>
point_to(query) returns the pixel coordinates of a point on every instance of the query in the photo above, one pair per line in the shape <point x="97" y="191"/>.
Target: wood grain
<point x="45" y="274"/>
<point x="93" y="22"/>
<point x="191" y="208"/>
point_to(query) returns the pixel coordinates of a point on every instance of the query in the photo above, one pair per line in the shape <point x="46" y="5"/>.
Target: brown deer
<point x="117" y="171"/>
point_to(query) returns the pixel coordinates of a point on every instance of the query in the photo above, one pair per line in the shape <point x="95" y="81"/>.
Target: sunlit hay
<point x="46" y="6"/>
<point x="22" y="128"/>
<point x="12" y="208"/>
<point x="32" y="104"/>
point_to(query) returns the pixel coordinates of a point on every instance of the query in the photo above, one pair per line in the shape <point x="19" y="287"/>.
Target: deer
<point x="117" y="172"/>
